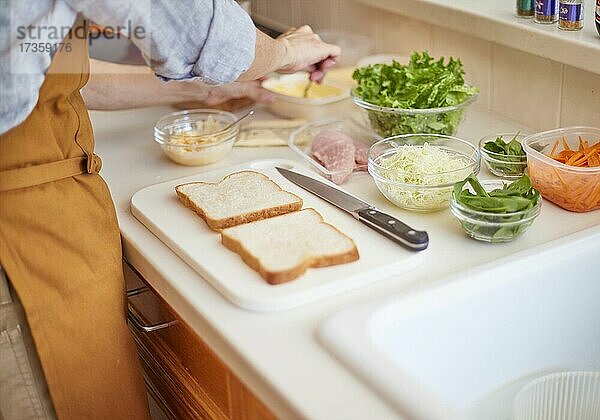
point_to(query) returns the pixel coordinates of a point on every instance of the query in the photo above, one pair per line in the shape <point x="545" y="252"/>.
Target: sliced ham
<point x="361" y="153"/>
<point x="336" y="151"/>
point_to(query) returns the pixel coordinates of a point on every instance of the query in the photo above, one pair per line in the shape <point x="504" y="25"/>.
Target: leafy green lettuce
<point x="423" y="83"/>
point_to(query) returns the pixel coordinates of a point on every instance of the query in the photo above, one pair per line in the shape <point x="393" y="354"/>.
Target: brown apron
<point x="60" y="247"/>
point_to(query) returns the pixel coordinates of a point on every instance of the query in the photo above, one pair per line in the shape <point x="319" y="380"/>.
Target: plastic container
<point x="307" y="108"/>
<point x="389" y="122"/>
<point x="494" y="227"/>
<point x="501" y="165"/>
<point x="424" y="192"/>
<point x="300" y="141"/>
<point x="195" y="137"/>
<point x="572" y="188"/>
<point x="560" y="396"/>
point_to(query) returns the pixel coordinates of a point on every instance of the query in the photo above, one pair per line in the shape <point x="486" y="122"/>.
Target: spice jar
<point x="570" y="15"/>
<point x="546" y="11"/>
<point x="525" y="8"/>
<point x="598" y="16"/>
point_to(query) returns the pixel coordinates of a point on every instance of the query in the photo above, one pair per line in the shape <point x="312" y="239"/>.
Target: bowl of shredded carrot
<point x="564" y="166"/>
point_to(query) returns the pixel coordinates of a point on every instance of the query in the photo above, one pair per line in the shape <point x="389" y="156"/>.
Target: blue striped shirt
<point x="209" y="40"/>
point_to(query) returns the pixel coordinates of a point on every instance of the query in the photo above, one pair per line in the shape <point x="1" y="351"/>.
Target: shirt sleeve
<point x="211" y="40"/>
<point x="22" y="71"/>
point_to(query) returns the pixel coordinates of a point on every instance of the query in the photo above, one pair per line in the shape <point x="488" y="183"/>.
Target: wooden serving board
<point x="159" y="209"/>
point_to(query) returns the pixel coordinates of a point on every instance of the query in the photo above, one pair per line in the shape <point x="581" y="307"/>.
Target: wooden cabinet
<point x="182" y="373"/>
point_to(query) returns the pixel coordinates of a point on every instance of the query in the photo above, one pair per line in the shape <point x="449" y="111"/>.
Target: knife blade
<point x="383" y="223"/>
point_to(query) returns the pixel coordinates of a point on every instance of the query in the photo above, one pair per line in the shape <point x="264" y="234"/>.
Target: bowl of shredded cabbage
<point x="418" y="171"/>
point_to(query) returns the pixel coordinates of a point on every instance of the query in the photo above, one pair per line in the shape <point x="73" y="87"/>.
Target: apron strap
<point x="30" y="176"/>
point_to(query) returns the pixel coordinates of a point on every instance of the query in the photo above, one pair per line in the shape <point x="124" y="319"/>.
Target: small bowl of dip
<point x="327" y="99"/>
<point x="196" y="137"/>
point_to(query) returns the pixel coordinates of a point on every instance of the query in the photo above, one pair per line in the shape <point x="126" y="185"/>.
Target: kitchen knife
<point x="377" y="220"/>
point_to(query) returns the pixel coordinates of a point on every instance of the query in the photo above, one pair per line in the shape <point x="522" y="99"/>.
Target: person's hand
<point x="306" y="51"/>
<point x="236" y="90"/>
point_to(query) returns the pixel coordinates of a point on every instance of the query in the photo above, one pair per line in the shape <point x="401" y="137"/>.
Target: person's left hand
<point x="236" y="90"/>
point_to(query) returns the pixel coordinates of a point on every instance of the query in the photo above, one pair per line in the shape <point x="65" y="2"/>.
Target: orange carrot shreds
<point x="554" y="149"/>
<point x="580" y="157"/>
<point x="574" y="158"/>
<point x="583" y="145"/>
<point x="594" y="159"/>
<point x="565" y="155"/>
<point x="571" y="189"/>
<point x="594" y="147"/>
<point x="578" y="192"/>
<point x="563" y="183"/>
<point x="585" y="159"/>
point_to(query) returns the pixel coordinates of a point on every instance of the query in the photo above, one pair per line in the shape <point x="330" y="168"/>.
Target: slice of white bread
<point x="284" y="247"/>
<point x="238" y="198"/>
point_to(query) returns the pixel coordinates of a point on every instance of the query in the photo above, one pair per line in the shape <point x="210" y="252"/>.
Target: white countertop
<point x="495" y="20"/>
<point x="277" y="354"/>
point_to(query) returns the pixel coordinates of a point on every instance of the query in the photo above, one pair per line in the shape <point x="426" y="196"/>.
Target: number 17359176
<point x="49" y="47"/>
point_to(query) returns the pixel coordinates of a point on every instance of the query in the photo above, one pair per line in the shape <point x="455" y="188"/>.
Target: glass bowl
<point x="425" y="191"/>
<point x="300" y="141"/>
<point x="389" y="122"/>
<point x="570" y="187"/>
<point x="503" y="166"/>
<point x="494" y="227"/>
<point x="196" y="137"/>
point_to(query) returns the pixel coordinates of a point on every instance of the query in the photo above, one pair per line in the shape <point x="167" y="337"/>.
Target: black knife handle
<point x="394" y="229"/>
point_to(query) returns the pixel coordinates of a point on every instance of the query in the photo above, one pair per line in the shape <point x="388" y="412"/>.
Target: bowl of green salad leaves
<point x="494" y="211"/>
<point x="426" y="95"/>
<point x="503" y="155"/>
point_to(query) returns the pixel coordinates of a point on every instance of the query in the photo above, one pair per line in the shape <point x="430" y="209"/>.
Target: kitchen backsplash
<point x="535" y="91"/>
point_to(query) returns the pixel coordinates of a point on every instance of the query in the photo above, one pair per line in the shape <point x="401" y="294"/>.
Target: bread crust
<point x="279" y="277"/>
<point x="220" y="224"/>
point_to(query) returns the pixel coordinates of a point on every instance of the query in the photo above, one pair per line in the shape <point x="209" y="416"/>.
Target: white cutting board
<point x="159" y="209"/>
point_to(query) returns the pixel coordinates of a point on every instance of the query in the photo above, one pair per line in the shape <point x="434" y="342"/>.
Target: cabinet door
<point x="183" y="374"/>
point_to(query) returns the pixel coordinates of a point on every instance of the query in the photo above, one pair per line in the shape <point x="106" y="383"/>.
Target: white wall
<point x="535" y="91"/>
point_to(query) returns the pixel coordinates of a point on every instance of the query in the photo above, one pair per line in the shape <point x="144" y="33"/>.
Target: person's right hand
<point x="305" y="51"/>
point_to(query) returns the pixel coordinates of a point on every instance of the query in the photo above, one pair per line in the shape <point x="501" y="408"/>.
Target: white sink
<point x="463" y="350"/>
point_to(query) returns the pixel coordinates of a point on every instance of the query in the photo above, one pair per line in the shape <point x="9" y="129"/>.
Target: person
<point x="60" y="249"/>
<point x="115" y="86"/>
